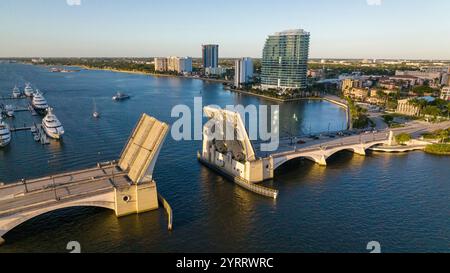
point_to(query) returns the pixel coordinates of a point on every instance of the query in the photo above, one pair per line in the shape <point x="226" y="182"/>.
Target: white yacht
<point x="5" y="133"/>
<point x="52" y="126"/>
<point x="9" y="109"/>
<point x="39" y="103"/>
<point x="28" y="91"/>
<point x="16" y="92"/>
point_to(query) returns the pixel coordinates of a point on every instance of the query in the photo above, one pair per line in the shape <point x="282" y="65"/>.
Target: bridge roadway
<point x="39" y="192"/>
<point x="314" y="149"/>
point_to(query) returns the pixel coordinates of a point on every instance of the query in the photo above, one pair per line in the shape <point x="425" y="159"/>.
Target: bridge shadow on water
<point x="85" y="225"/>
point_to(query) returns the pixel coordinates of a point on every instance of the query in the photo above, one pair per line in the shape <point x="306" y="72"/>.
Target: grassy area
<point x="438" y="149"/>
<point x="441" y="135"/>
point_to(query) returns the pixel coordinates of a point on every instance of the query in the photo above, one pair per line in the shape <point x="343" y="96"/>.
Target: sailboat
<point x="95" y="114"/>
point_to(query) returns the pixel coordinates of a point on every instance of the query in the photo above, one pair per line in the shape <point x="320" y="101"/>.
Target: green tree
<point x="432" y="111"/>
<point x="443" y="135"/>
<point x="403" y="138"/>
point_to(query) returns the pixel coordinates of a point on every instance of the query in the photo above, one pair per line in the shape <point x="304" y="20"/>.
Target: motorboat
<point x="39" y="103"/>
<point x="5" y="134"/>
<point x="52" y="126"/>
<point x="120" y="96"/>
<point x="16" y="92"/>
<point x="9" y="110"/>
<point x="28" y="91"/>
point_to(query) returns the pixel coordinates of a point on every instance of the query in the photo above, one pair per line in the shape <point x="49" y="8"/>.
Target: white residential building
<point x="177" y="64"/>
<point x="161" y="64"/>
<point x="243" y="71"/>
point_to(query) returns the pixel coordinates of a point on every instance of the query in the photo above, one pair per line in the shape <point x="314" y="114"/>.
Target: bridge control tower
<point x="227" y="149"/>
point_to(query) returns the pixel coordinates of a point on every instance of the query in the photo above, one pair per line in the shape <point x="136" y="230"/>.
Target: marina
<point x="39" y="132"/>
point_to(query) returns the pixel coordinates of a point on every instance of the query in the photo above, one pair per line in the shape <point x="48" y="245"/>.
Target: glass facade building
<point x="210" y="55"/>
<point x="285" y="60"/>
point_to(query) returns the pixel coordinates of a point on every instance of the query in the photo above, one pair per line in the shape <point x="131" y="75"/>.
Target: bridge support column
<point x="322" y="161"/>
<point x="136" y="199"/>
<point x="360" y="151"/>
<point x="2" y="241"/>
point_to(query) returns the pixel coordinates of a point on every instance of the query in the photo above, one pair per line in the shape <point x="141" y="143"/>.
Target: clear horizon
<point x="353" y="29"/>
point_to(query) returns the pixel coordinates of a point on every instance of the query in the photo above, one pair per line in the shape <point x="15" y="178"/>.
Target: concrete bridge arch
<point x="320" y="155"/>
<point x="9" y="222"/>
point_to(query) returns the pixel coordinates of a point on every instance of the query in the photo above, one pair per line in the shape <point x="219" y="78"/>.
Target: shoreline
<point x="151" y="74"/>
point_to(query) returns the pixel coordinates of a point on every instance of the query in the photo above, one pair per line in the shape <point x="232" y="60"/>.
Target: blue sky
<point x="339" y="28"/>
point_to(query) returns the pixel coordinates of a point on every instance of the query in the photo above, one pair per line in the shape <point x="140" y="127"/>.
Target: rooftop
<point x="291" y="32"/>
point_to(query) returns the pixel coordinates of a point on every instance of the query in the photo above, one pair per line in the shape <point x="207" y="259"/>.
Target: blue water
<point x="402" y="201"/>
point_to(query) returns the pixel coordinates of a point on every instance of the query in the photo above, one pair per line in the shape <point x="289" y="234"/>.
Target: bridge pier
<point x="322" y="161"/>
<point x="360" y="151"/>
<point x="2" y="241"/>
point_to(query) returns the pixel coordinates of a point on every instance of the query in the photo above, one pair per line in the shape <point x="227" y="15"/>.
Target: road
<point x="415" y="128"/>
<point x="34" y="193"/>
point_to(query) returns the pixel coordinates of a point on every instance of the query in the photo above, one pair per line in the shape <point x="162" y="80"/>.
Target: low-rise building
<point x="420" y="74"/>
<point x="359" y="94"/>
<point x="349" y="83"/>
<point x="216" y="71"/>
<point x="406" y="80"/>
<point x="406" y="107"/>
<point x="445" y="93"/>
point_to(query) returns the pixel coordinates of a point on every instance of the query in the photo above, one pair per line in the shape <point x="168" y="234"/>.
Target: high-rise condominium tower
<point x="210" y="55"/>
<point x="285" y="60"/>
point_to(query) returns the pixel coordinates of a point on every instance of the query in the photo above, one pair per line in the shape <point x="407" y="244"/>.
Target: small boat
<point x="5" y="133"/>
<point x="9" y="109"/>
<point x="120" y="96"/>
<point x="52" y="126"/>
<point x="95" y="114"/>
<point x="16" y="92"/>
<point x="39" y="103"/>
<point x="28" y="91"/>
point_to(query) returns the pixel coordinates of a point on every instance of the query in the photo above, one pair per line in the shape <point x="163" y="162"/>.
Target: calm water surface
<point x="402" y="201"/>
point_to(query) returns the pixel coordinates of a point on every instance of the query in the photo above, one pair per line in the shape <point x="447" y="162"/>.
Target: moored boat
<point x="52" y="126"/>
<point x="5" y="133"/>
<point x="28" y="91"/>
<point x="39" y="103"/>
<point x="16" y="92"/>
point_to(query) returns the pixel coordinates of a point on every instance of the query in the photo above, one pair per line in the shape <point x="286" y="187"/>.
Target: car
<point x="301" y="142"/>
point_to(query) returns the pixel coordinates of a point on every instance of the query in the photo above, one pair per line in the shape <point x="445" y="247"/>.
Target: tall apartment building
<point x="210" y="56"/>
<point x="285" y="60"/>
<point x="177" y="64"/>
<point x="243" y="71"/>
<point x="161" y="64"/>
